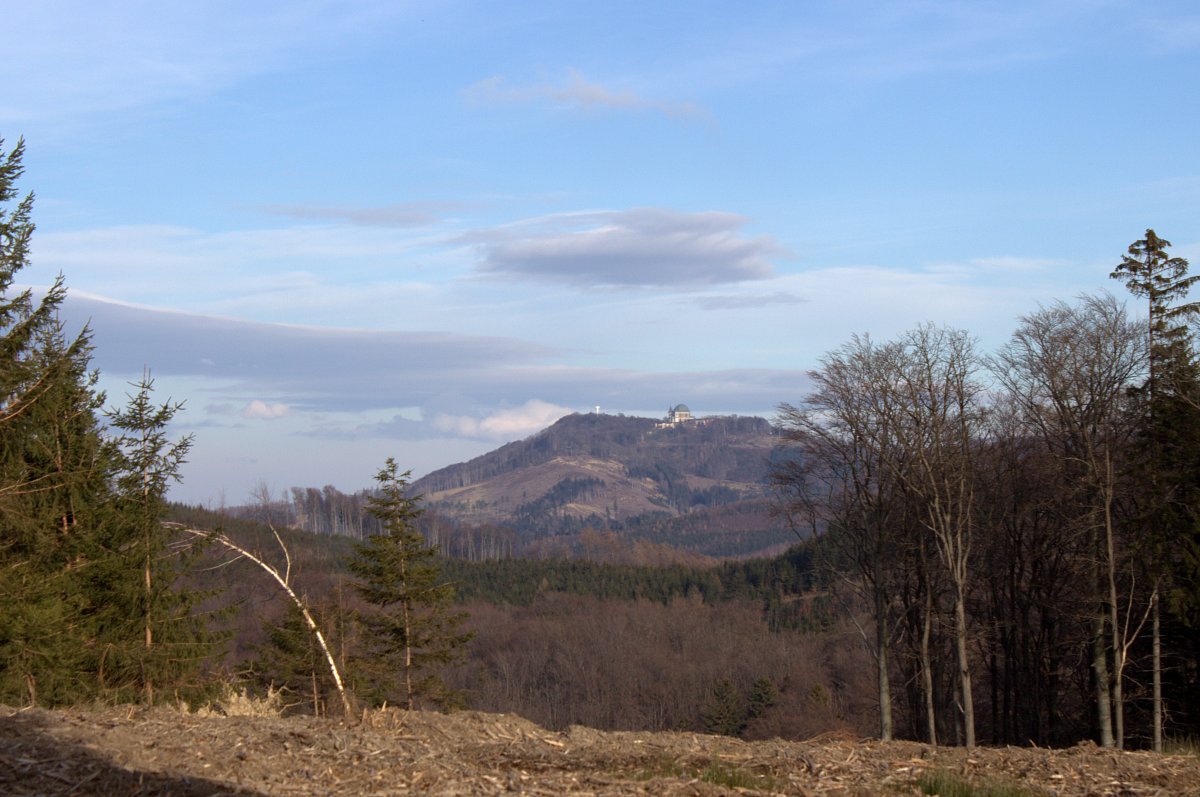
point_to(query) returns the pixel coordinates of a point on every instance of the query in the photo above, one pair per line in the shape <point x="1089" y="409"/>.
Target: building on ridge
<point x="677" y="415"/>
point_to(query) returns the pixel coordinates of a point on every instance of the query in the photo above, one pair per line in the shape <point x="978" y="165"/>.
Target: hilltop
<point x="700" y="484"/>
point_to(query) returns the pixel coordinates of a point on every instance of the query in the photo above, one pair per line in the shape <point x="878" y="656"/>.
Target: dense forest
<point x="997" y="548"/>
<point x="1023" y="526"/>
<point x="752" y="648"/>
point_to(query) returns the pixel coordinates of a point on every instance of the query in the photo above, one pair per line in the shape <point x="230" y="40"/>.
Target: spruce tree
<point x="1166" y="461"/>
<point x="413" y="630"/>
<point x="725" y="713"/>
<point x="763" y="695"/>
<point x="53" y="477"/>
<point x="64" y="507"/>
<point x="86" y="582"/>
<point x="159" y="641"/>
<point x="291" y="661"/>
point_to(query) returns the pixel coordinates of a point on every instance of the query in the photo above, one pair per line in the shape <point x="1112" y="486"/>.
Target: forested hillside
<point x="699" y="488"/>
<point x="720" y="449"/>
<point x="680" y="485"/>
<point x="567" y="642"/>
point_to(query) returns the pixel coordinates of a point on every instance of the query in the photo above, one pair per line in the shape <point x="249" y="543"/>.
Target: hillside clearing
<point x="137" y="751"/>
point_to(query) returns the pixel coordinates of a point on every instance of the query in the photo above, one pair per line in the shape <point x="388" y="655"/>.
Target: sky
<point x="346" y="231"/>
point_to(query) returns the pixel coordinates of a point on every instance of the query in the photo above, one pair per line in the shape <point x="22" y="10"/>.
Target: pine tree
<point x="159" y="641"/>
<point x="1167" y="459"/>
<point x="763" y="695"/>
<point x="291" y="660"/>
<point x="414" y="630"/>
<point x="53" y="478"/>
<point x="725" y="713"/>
<point x="85" y="579"/>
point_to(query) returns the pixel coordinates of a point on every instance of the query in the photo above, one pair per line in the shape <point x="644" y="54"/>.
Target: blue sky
<point x="342" y="231"/>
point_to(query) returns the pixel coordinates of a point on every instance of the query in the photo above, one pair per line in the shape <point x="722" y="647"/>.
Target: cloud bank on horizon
<point x="346" y="231"/>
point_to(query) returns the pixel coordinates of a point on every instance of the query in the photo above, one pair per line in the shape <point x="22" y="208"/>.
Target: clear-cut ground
<point x="135" y="751"/>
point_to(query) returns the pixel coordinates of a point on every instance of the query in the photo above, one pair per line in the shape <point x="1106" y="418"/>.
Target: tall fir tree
<point x="53" y="477"/>
<point x="414" y="630"/>
<point x="725" y="714"/>
<point x="86" y="582"/>
<point x="162" y="639"/>
<point x="1166" y="465"/>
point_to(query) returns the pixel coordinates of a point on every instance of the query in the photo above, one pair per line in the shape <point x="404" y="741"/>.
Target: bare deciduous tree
<point x="837" y="480"/>
<point x="1067" y="368"/>
<point x="890" y="433"/>
<point x="940" y="419"/>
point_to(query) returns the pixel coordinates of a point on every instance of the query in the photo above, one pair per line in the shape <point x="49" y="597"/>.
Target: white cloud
<point x="639" y="247"/>
<point x="264" y="410"/>
<point x="508" y="424"/>
<point x="575" y="93"/>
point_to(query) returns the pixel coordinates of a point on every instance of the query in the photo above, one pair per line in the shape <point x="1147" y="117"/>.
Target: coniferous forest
<point x="998" y="548"/>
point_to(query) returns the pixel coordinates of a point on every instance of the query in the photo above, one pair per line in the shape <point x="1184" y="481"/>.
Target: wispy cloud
<point x="844" y="44"/>
<point x="315" y="272"/>
<point x="315" y="367"/>
<point x="82" y="58"/>
<point x="403" y="214"/>
<point x="640" y="247"/>
<point x="317" y="370"/>
<point x="1177" y="33"/>
<point x="748" y="301"/>
<point x="1012" y="263"/>
<point x="574" y="93"/>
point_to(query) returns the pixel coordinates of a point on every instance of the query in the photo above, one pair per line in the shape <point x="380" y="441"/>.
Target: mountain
<point x="700" y="484"/>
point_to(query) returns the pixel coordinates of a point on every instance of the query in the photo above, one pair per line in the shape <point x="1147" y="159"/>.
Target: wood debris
<point x="152" y="752"/>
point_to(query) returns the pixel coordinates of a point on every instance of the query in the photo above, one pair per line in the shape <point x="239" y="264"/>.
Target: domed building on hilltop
<point x="677" y="415"/>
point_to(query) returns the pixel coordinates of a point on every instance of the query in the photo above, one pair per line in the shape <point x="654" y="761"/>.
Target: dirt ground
<point x="116" y="752"/>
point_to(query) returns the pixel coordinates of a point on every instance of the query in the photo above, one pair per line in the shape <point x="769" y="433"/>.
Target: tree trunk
<point x="927" y="669"/>
<point x="147" y="686"/>
<point x="964" y="666"/>
<point x="881" y="660"/>
<point x="1156" y="647"/>
<point x="1118" y="641"/>
<point x="1100" y="670"/>
<point x="282" y="580"/>
<point x="408" y="687"/>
